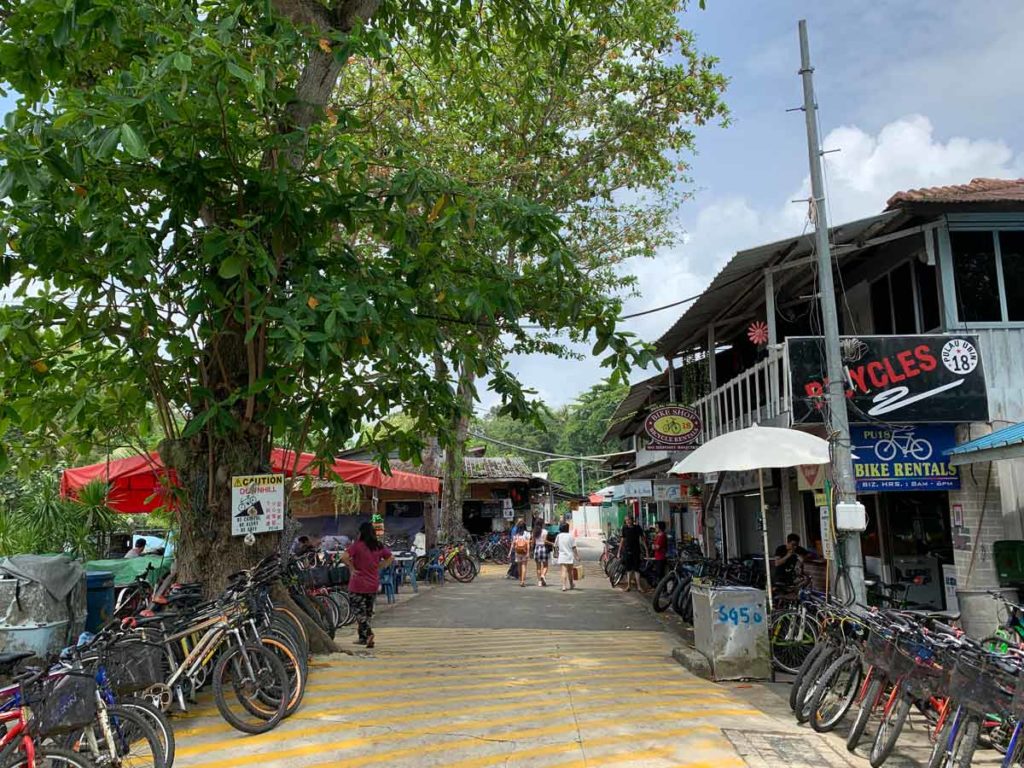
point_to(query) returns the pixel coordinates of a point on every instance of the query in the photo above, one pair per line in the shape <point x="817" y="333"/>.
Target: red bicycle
<point x="18" y="748"/>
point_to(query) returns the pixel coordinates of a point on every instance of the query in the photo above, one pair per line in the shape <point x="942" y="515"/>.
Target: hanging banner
<point x="668" y="492"/>
<point x="928" y="378"/>
<point x="828" y="548"/>
<point x="672" y="428"/>
<point x="904" y="458"/>
<point x="257" y="503"/>
<point x="638" y="489"/>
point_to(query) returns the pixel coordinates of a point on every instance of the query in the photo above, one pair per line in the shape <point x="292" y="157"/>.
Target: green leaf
<point x="108" y="143"/>
<point x="182" y="62"/>
<point x="231" y="267"/>
<point x="244" y="75"/>
<point x="133" y="143"/>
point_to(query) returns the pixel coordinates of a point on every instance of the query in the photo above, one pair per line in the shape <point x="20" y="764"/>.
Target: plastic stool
<point x="387" y="583"/>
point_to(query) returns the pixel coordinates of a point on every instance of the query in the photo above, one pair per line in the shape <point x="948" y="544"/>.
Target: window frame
<point x="918" y="315"/>
<point x="949" y="272"/>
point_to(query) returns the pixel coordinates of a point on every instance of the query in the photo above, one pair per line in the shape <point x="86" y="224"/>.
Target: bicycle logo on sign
<point x="903" y="441"/>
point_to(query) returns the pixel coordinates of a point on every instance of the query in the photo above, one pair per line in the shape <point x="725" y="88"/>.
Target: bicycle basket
<point x="980" y="688"/>
<point x="928" y="678"/>
<point x="879" y="650"/>
<point x="317" y="576"/>
<point x="337" y="575"/>
<point x="133" y="666"/>
<point x="61" y="704"/>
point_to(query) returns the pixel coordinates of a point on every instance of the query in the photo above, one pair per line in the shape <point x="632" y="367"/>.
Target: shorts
<point x="631" y="561"/>
<point x="541" y="554"/>
<point x="521" y="558"/>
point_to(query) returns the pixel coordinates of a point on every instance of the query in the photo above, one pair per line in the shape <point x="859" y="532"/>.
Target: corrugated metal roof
<point x="633" y="404"/>
<point x="495" y="468"/>
<point x="1001" y="438"/>
<point x="740" y="283"/>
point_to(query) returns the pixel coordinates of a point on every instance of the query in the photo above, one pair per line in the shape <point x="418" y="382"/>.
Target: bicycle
<point x="902" y="440"/>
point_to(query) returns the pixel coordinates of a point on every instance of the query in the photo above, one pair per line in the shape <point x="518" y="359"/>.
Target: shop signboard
<point x="639" y="489"/>
<point x="907" y="458"/>
<point x="257" y="504"/>
<point x="673" y="428"/>
<point x="667" y="492"/>
<point x="908" y="379"/>
<point x="810" y="477"/>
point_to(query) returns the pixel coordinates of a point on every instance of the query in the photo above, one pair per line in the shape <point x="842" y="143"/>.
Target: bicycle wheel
<point x="837" y="692"/>
<point x="296" y="675"/>
<point x="136" y="744"/>
<point x="867" y="706"/>
<point x="890" y="728"/>
<point x="328" y="610"/>
<point x="662" y="599"/>
<point x="462" y="568"/>
<point x="811" y="684"/>
<point x="616" y="572"/>
<point x="966" y="742"/>
<point x="816" y="651"/>
<point x="942" y="749"/>
<point x="285" y="614"/>
<point x="158" y="721"/>
<point x="245" y="676"/>
<point x="52" y="757"/>
<point x="793" y="635"/>
<point x="344" y="608"/>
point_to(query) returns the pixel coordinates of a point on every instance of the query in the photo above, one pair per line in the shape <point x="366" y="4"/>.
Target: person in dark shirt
<point x="632" y="547"/>
<point x="787" y="557"/>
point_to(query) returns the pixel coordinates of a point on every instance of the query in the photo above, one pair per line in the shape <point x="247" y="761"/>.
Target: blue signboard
<point x="907" y="458"/>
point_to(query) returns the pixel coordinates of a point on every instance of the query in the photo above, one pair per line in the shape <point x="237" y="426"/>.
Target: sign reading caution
<point x="910" y="458"/>
<point x="257" y="504"/>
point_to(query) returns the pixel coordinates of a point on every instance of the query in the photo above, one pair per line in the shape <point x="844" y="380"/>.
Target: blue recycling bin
<point x="99" y="599"/>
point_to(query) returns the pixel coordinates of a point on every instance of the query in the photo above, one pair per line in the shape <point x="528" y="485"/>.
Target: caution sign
<point x="257" y="504"/>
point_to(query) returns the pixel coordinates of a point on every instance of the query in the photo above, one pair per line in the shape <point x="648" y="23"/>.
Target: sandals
<point x="369" y="642"/>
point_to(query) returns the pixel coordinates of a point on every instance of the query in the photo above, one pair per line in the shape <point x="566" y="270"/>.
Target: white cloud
<point x="904" y="154"/>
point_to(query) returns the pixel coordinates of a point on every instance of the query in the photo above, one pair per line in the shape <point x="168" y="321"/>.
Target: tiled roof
<point x="480" y="468"/>
<point x="978" y="191"/>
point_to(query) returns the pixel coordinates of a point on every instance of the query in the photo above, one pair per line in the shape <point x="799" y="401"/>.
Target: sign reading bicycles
<point x="904" y="458"/>
<point x="672" y="428"/>
<point x="257" y="504"/>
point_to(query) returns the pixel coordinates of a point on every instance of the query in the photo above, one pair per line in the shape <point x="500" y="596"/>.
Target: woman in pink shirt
<point x="365" y="559"/>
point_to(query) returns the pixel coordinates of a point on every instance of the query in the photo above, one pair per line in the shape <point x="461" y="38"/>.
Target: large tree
<point x="597" y="129"/>
<point x="197" y="227"/>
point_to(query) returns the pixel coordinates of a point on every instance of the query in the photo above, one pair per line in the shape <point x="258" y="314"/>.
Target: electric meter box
<point x="851" y="516"/>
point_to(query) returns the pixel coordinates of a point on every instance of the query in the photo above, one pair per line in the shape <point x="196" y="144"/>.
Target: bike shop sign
<point x="930" y="378"/>
<point x="673" y="428"/>
<point x="257" y="504"/>
<point x="890" y="458"/>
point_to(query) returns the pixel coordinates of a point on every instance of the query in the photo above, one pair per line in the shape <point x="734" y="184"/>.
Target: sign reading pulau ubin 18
<point x="257" y="504"/>
<point x="902" y="379"/>
<point x="672" y="428"/>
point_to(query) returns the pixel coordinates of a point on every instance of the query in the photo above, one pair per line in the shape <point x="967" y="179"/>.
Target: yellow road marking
<point x="519" y="697"/>
<point x="617" y="757"/>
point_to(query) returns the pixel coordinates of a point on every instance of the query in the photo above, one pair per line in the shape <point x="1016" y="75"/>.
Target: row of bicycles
<point x="876" y="669"/>
<point x="107" y="701"/>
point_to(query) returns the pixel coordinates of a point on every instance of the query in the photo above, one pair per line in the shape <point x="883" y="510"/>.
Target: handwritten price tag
<point x="736" y="615"/>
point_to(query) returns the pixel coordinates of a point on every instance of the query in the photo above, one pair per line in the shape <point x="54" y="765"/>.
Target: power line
<point x="596" y="457"/>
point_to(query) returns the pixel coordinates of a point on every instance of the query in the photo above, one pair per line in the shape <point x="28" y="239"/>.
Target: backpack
<point x="522" y="544"/>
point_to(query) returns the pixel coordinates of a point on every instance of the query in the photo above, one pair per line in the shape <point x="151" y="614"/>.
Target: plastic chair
<point x="434" y="568"/>
<point x="407" y="570"/>
<point x="387" y="583"/>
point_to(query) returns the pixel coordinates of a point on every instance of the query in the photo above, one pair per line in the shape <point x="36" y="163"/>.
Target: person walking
<point x="541" y="554"/>
<point x="632" y="546"/>
<point x="660" y="551"/>
<point x="513" y="565"/>
<point x="365" y="559"/>
<point x="565" y="545"/>
<point x="520" y="549"/>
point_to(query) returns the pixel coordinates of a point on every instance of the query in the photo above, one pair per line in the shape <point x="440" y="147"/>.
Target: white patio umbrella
<point x="756" y="448"/>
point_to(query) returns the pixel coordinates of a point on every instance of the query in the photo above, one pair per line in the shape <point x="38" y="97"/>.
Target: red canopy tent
<point x="138" y="484"/>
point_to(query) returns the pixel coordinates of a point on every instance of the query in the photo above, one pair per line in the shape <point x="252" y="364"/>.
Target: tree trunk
<point x="453" y="479"/>
<point x="431" y="458"/>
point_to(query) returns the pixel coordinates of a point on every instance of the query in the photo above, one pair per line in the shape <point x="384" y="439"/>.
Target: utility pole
<point x="840" y="425"/>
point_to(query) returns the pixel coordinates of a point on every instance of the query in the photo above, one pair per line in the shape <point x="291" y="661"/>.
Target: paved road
<point x="491" y="674"/>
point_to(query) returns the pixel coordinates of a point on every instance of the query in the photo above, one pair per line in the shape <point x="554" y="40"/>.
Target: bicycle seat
<point x="943" y="616"/>
<point x="8" y="661"/>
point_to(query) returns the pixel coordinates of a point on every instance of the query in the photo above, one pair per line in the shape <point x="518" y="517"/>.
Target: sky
<point x="912" y="92"/>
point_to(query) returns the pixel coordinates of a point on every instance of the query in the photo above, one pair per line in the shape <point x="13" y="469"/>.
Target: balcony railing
<point x="759" y="395"/>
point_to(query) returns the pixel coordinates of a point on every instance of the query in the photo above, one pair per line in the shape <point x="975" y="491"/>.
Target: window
<point x="905" y="300"/>
<point x="1011" y="251"/>
<point x="977" y="281"/>
<point x="881" y="308"/>
<point x="904" y="313"/>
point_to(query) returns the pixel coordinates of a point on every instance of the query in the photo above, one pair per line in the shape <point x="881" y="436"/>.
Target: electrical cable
<point x="595" y="457"/>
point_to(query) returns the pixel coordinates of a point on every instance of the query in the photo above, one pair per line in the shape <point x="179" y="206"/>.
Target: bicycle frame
<point x="16" y="736"/>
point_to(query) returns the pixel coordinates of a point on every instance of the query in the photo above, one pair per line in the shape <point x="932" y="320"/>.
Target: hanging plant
<point x="347" y="499"/>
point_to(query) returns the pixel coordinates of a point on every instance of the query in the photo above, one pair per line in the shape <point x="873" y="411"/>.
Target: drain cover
<point x="766" y="749"/>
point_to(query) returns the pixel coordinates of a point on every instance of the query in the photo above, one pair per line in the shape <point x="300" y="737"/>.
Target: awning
<point x="140" y="484"/>
<point x="1006" y="443"/>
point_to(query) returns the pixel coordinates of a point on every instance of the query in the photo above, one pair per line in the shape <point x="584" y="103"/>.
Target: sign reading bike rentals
<point x="672" y="428"/>
<point x="907" y="379"/>
<point x="257" y="504"/>
<point x="908" y="458"/>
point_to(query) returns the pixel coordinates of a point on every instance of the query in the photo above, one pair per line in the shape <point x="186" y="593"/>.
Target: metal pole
<point x="764" y="534"/>
<point x="671" y="380"/>
<point x="840" y="426"/>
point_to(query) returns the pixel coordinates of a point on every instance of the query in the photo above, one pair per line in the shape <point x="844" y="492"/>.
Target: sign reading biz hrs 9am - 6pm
<point x="901" y="379"/>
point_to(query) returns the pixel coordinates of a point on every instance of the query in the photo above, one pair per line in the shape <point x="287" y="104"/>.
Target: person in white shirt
<point x="419" y="543"/>
<point x="565" y="545"/>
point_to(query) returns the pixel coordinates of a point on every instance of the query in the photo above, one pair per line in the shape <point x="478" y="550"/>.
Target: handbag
<point x="577" y="572"/>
